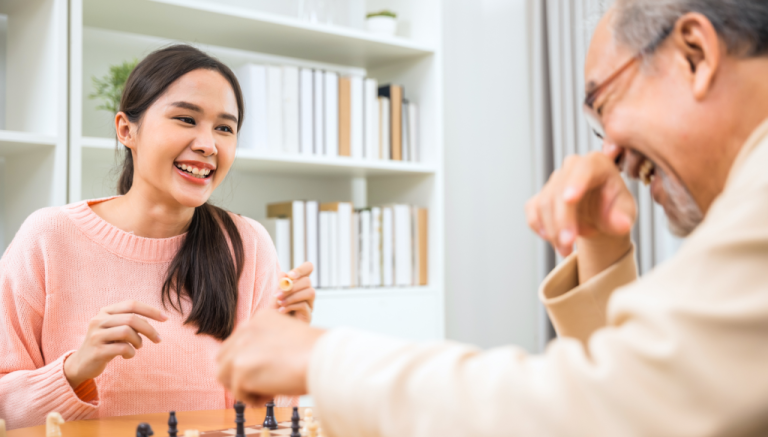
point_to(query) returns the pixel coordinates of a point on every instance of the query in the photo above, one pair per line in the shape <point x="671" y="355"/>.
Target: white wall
<point x="490" y="253"/>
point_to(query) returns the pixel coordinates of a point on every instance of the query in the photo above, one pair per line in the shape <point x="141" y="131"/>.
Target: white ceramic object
<point x="382" y="25"/>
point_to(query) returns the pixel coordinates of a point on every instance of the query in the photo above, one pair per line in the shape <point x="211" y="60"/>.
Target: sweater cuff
<point x="55" y="393"/>
<point x="577" y="310"/>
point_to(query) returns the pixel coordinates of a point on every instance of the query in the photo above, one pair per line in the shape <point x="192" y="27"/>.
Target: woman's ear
<point x="125" y="130"/>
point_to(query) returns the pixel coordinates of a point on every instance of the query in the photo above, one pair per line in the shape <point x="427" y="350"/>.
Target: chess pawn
<point x="53" y="425"/>
<point x="265" y="432"/>
<point x="312" y="428"/>
<point x="191" y="433"/>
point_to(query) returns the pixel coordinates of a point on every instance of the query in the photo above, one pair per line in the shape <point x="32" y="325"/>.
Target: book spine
<point x="319" y="111"/>
<point x="275" y="109"/>
<point x="345" y="116"/>
<point x="371" y="119"/>
<point x="291" y="109"/>
<point x="357" y="117"/>
<point x="306" y="115"/>
<point x="312" y="237"/>
<point x="331" y="114"/>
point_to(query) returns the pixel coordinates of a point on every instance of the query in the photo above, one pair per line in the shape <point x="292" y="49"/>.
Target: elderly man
<point x="678" y="90"/>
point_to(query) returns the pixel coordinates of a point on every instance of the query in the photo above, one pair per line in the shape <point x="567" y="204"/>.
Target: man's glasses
<point x="593" y="118"/>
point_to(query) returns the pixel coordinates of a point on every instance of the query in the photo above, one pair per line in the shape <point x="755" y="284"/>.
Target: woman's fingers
<point x="132" y="306"/>
<point x="124" y="350"/>
<point x="301" y="271"/>
<point x="119" y="334"/>
<point x="137" y="323"/>
<point x="305" y="295"/>
<point x="298" y="285"/>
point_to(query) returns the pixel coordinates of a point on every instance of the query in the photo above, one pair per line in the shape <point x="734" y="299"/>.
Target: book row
<point x="373" y="247"/>
<point x="316" y="112"/>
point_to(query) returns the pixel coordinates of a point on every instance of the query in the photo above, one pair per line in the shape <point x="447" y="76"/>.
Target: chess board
<point x="283" y="429"/>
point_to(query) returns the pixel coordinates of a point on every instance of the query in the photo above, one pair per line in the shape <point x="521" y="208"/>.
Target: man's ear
<point x="126" y="131"/>
<point x="699" y="48"/>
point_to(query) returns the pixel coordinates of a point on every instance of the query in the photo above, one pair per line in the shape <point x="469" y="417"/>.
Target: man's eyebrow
<point x="193" y="107"/>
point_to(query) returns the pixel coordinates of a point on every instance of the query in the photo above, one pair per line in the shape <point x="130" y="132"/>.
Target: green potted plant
<point x="382" y="22"/>
<point x="109" y="88"/>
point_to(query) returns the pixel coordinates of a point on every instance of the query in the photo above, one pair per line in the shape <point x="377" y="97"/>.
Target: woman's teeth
<point x="199" y="173"/>
<point x="646" y="172"/>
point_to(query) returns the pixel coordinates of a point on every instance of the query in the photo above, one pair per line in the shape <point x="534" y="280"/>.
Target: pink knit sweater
<point x="63" y="266"/>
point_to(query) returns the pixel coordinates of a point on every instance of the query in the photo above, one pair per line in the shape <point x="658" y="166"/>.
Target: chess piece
<point x="308" y="418"/>
<point x="144" y="430"/>
<point x="265" y="432"/>
<point x="269" y="421"/>
<point x="191" y="433"/>
<point x="172" y="423"/>
<point x="53" y="425"/>
<point x="285" y="284"/>
<point x="2" y="428"/>
<point x="240" y="418"/>
<point x="295" y="423"/>
<point x="312" y="428"/>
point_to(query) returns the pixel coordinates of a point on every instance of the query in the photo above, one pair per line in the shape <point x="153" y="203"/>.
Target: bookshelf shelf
<point x="374" y="291"/>
<point x="210" y="22"/>
<point x="14" y="143"/>
<point x="284" y="164"/>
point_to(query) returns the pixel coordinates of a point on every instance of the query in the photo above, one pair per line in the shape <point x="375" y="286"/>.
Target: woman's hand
<point x="113" y="332"/>
<point x="300" y="300"/>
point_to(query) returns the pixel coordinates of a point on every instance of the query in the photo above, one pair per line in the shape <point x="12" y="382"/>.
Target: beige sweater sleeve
<point x="577" y="310"/>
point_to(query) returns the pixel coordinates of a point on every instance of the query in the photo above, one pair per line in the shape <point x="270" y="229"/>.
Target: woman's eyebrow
<point x="193" y="107"/>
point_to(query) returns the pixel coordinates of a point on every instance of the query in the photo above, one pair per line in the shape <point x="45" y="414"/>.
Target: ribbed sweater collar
<point x="119" y="242"/>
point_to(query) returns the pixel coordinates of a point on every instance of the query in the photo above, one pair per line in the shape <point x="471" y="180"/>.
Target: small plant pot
<point x="381" y="25"/>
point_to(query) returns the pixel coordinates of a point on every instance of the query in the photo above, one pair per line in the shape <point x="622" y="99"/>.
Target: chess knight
<point x="678" y="92"/>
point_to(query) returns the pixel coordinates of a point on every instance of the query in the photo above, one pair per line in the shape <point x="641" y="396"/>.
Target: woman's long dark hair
<point x="204" y="269"/>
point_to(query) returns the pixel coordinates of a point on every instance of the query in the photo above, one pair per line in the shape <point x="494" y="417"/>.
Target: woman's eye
<point x="226" y="129"/>
<point x="187" y="120"/>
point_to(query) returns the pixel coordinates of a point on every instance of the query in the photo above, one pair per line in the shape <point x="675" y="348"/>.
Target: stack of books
<point x="315" y="112"/>
<point x="373" y="247"/>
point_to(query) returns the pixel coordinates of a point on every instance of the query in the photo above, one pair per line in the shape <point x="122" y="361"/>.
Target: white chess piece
<point x="312" y="428"/>
<point x="53" y="425"/>
<point x="265" y="432"/>
<point x="191" y="433"/>
<point x="2" y="428"/>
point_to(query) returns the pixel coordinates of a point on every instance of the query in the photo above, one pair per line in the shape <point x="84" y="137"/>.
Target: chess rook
<point x="269" y="421"/>
<point x="286" y="284"/>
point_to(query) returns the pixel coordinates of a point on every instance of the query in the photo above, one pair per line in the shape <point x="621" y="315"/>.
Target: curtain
<point x="561" y="32"/>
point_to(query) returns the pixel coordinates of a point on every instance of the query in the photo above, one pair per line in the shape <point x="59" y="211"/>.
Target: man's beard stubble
<point x="683" y="214"/>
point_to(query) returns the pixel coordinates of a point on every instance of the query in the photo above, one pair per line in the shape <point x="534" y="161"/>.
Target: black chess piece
<point x="144" y="430"/>
<point x="240" y="419"/>
<point x="172" y="425"/>
<point x="269" y="421"/>
<point x="295" y="418"/>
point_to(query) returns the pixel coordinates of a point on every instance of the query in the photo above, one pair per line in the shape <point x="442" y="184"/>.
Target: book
<point x="387" y="247"/>
<point x="413" y="132"/>
<point x="385" y="144"/>
<point x="274" y="109"/>
<point x="306" y="112"/>
<point x="403" y="244"/>
<point x="421" y="254"/>
<point x="366" y="249"/>
<point x="319" y="110"/>
<point x="395" y="94"/>
<point x="371" y="119"/>
<point x="331" y="114"/>
<point x="333" y="239"/>
<point x="345" y="116"/>
<point x="355" y="249"/>
<point x="325" y="262"/>
<point x="344" y="236"/>
<point x="312" y="210"/>
<point x="404" y="131"/>
<point x="253" y="82"/>
<point x="375" y="247"/>
<point x="357" y="117"/>
<point x="294" y="211"/>
<point x="291" y="109"/>
<point x="280" y="231"/>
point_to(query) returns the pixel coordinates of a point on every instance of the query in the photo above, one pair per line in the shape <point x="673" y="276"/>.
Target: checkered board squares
<point x="283" y="429"/>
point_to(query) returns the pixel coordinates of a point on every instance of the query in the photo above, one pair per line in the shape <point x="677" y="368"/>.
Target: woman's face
<point x="184" y="145"/>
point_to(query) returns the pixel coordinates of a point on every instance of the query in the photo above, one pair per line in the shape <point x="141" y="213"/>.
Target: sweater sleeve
<point x="31" y="384"/>
<point x="577" y="310"/>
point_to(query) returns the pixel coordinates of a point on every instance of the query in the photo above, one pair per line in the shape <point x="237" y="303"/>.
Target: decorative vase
<point x="381" y="25"/>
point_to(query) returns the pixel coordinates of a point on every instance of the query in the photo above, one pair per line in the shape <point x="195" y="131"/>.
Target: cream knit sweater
<point x="62" y="267"/>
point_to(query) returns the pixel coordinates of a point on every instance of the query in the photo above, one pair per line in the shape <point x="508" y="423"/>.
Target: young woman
<point x="84" y="286"/>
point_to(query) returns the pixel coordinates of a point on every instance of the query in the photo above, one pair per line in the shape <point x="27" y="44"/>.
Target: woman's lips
<point x="192" y="178"/>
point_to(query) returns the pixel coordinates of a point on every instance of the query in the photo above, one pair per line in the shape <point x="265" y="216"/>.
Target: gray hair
<point x="742" y="24"/>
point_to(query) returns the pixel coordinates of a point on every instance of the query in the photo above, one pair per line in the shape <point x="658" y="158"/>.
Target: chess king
<point x="88" y="290"/>
<point x="678" y="92"/>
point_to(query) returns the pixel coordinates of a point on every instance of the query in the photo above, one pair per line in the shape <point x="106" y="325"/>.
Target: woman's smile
<point x="195" y="171"/>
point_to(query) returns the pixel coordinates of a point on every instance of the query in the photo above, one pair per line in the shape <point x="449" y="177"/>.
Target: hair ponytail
<point x="207" y="268"/>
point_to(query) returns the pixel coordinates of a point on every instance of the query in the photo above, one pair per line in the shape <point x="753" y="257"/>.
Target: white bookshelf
<point x="33" y="113"/>
<point x="106" y="32"/>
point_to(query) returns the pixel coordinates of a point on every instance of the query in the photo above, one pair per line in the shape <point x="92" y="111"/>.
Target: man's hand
<point x="300" y="300"/>
<point x="585" y="202"/>
<point x="266" y="357"/>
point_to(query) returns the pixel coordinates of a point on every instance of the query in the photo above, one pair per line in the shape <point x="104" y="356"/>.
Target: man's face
<point x="650" y="113"/>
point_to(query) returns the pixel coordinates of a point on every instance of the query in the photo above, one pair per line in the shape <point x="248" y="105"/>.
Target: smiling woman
<point x="84" y="284"/>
